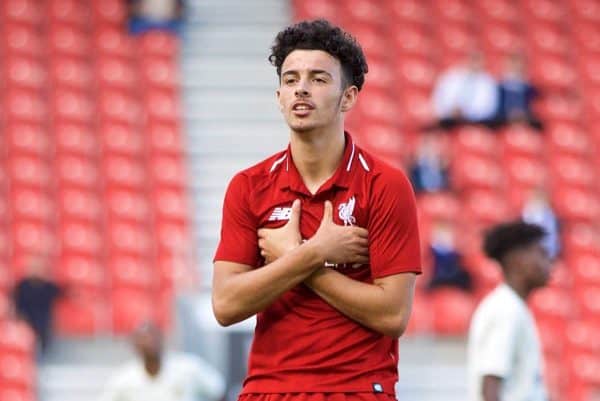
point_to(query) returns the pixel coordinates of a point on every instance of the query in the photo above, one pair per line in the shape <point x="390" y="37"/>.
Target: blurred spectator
<point x="429" y="168"/>
<point x="447" y="263"/>
<point x="158" y="376"/>
<point x="145" y="15"/>
<point x="466" y="94"/>
<point x="538" y="210"/>
<point x="34" y="297"/>
<point x="516" y="94"/>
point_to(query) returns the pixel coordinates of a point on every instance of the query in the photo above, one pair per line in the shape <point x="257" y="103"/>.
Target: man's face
<point x="536" y="265"/>
<point x="310" y="93"/>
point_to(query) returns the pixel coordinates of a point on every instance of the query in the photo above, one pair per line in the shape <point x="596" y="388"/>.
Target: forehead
<point x="306" y="60"/>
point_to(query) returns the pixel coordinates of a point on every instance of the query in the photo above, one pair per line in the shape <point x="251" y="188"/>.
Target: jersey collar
<point x="290" y="177"/>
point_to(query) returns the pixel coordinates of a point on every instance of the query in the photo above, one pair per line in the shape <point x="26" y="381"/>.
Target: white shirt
<point x="181" y="378"/>
<point x="475" y="94"/>
<point x="503" y="342"/>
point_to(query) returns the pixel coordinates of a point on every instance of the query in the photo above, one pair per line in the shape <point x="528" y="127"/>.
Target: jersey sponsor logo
<point x="281" y="213"/>
<point x="346" y="210"/>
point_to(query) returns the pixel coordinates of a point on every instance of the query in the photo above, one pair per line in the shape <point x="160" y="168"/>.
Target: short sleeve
<point x="497" y="344"/>
<point x="239" y="240"/>
<point x="394" y="245"/>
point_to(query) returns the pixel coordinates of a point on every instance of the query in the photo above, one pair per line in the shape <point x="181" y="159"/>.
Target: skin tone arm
<point x="240" y="291"/>
<point x="383" y="306"/>
<point x="491" y="388"/>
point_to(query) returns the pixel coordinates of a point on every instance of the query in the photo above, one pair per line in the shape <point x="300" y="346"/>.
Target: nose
<point x="301" y="89"/>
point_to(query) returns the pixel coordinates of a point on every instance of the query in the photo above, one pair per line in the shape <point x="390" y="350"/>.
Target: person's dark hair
<point x="322" y="35"/>
<point x="503" y="238"/>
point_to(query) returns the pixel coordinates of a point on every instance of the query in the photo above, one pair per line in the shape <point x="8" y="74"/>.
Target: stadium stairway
<point x="231" y="117"/>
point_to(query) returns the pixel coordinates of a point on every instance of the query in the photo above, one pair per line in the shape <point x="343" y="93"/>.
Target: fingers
<point x="360" y="232"/>
<point x="327" y="213"/>
<point x="294" y="220"/>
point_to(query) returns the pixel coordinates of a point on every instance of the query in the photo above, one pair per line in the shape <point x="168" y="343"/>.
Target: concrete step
<point x="231" y="75"/>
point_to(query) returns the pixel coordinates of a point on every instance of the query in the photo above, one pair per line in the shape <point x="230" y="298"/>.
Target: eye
<point x="289" y="81"/>
<point x="320" y="80"/>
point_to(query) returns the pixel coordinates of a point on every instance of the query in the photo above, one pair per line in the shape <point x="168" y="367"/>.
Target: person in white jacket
<point x="504" y="361"/>
<point x="162" y="376"/>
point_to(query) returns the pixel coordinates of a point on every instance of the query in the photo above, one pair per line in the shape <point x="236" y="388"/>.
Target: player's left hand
<point x="275" y="242"/>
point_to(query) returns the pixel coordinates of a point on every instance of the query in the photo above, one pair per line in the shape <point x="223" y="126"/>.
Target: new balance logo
<point x="281" y="213"/>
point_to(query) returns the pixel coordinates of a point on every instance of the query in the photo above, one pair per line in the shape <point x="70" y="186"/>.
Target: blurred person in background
<point x="516" y="94"/>
<point x="146" y="15"/>
<point x="504" y="361"/>
<point x="320" y="241"/>
<point x="448" y="270"/>
<point x="538" y="210"/>
<point x="429" y="168"/>
<point x="466" y="94"/>
<point x="34" y="297"/>
<point x="163" y="376"/>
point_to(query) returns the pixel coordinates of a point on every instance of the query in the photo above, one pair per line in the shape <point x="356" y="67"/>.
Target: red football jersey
<point x="301" y="343"/>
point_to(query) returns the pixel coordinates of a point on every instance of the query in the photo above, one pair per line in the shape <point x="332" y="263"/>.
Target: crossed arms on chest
<point x="239" y="291"/>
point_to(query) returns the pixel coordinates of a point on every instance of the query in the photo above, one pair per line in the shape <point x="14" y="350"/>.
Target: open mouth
<point x="302" y="109"/>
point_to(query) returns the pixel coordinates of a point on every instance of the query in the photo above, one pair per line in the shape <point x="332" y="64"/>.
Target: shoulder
<point x="500" y="304"/>
<point x="124" y="375"/>
<point x="259" y="173"/>
<point x="384" y="177"/>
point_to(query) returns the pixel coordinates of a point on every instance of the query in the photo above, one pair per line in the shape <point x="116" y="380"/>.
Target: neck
<point x="519" y="287"/>
<point x="317" y="155"/>
<point x="152" y="365"/>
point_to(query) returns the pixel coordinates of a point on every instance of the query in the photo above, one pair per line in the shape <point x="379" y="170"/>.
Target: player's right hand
<point x="340" y="244"/>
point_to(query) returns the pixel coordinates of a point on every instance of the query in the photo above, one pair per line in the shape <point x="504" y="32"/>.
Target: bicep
<point x="398" y="291"/>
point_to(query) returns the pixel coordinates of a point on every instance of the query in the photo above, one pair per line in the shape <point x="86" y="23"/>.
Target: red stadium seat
<point x="364" y="12"/>
<point x="21" y="39"/>
<point x="475" y="141"/>
<point x="81" y="237"/>
<point x="71" y="72"/>
<point x="552" y="333"/>
<point x="115" y="106"/>
<point x="570" y="171"/>
<point x="454" y="38"/>
<point x="22" y="11"/>
<point x="130" y="309"/>
<point x="76" y="203"/>
<point x="32" y="204"/>
<point x="171" y="204"/>
<point x="545" y="10"/>
<point x="163" y="106"/>
<point x="24" y="138"/>
<point x="576" y="204"/>
<point x="121" y="139"/>
<point x="127" y="204"/>
<point x="109" y="11"/>
<point x="453" y="11"/>
<point x="498" y="10"/>
<point x="588" y="10"/>
<point x="381" y="75"/>
<point x="125" y="171"/>
<point x="589" y="68"/>
<point x="128" y="237"/>
<point x="77" y="171"/>
<point x="501" y="39"/>
<point x="520" y="140"/>
<point x="18" y="371"/>
<point x="415" y="110"/>
<point x="581" y="238"/>
<point x="487" y="207"/>
<point x="452" y="310"/>
<point x="162" y="73"/>
<point x="165" y="139"/>
<point x="408" y="40"/>
<point x="313" y="9"/>
<point x="476" y="172"/>
<point x="24" y="71"/>
<point x="552" y="303"/>
<point x="131" y="272"/>
<point x="545" y="39"/>
<point x="553" y="73"/>
<point x="75" y="139"/>
<point x="583" y="335"/>
<point x="586" y="36"/>
<point x="156" y="43"/>
<point x="559" y="108"/>
<point x="375" y="45"/>
<point x="73" y="106"/>
<point x="68" y="11"/>
<point x="416" y="72"/>
<point x="171" y="235"/>
<point x="68" y="40"/>
<point x="116" y="72"/>
<point x="378" y="106"/>
<point x="525" y="171"/>
<point x="77" y="315"/>
<point x="168" y="171"/>
<point x="585" y="268"/>
<point x="588" y="299"/>
<point x="17" y="338"/>
<point x="420" y="322"/>
<point x="84" y="272"/>
<point x="409" y="11"/>
<point x="25" y="105"/>
<point x="567" y="138"/>
<point x="486" y="273"/>
<point x="113" y="41"/>
<point x="29" y="170"/>
<point x="383" y="139"/>
<point x="442" y="206"/>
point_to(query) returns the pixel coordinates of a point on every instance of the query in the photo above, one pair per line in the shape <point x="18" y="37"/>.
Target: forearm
<point x="372" y="305"/>
<point x="241" y="295"/>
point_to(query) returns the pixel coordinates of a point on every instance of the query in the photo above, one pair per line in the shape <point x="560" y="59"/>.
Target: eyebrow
<point x="312" y="72"/>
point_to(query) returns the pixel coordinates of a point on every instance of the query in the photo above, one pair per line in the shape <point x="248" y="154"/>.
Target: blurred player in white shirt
<point x="159" y="376"/>
<point x="504" y="355"/>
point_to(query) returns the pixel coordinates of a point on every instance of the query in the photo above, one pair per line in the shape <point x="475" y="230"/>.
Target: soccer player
<point x="319" y="240"/>
<point x="504" y="357"/>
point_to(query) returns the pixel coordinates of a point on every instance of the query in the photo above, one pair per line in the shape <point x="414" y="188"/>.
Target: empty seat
<point x="165" y="138"/>
<point x="29" y="170"/>
<point x="127" y="204"/>
<point x="25" y="105"/>
<point x="113" y="41"/>
<point x="73" y="106"/>
<point x="68" y="39"/>
<point x="84" y="272"/>
<point x="24" y="71"/>
<point x="79" y="203"/>
<point x="585" y="267"/>
<point x="21" y="11"/>
<point x="128" y="237"/>
<point x="131" y="272"/>
<point x="157" y="43"/>
<point x="476" y="141"/>
<point x="24" y="138"/>
<point x="31" y="203"/>
<point x="118" y="138"/>
<point x="576" y="204"/>
<point x="75" y="170"/>
<point x="161" y="73"/>
<point x="171" y="204"/>
<point x="125" y="171"/>
<point x="81" y="316"/>
<point x="17" y="338"/>
<point x="487" y="207"/>
<point x="68" y="11"/>
<point x="476" y="172"/>
<point x="553" y="303"/>
<point x="21" y="39"/>
<point x="116" y="72"/>
<point x="109" y="11"/>
<point x="116" y="106"/>
<point x="81" y="237"/>
<point x="75" y="139"/>
<point x="452" y="310"/>
<point x="130" y="308"/>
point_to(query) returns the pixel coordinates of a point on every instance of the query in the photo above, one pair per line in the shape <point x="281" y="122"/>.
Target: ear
<point x="349" y="98"/>
<point x="278" y="95"/>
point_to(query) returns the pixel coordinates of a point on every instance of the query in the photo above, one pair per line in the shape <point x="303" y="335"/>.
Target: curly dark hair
<point x="503" y="238"/>
<point x="320" y="34"/>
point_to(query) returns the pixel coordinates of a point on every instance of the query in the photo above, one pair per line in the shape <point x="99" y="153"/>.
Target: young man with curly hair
<point x="504" y="354"/>
<point x="320" y="241"/>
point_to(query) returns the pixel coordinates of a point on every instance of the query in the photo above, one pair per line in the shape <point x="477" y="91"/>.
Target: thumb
<point x="294" y="220"/>
<point x="327" y="213"/>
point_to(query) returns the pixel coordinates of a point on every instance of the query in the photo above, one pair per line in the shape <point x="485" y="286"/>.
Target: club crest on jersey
<point x="281" y="213"/>
<point x="346" y="210"/>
